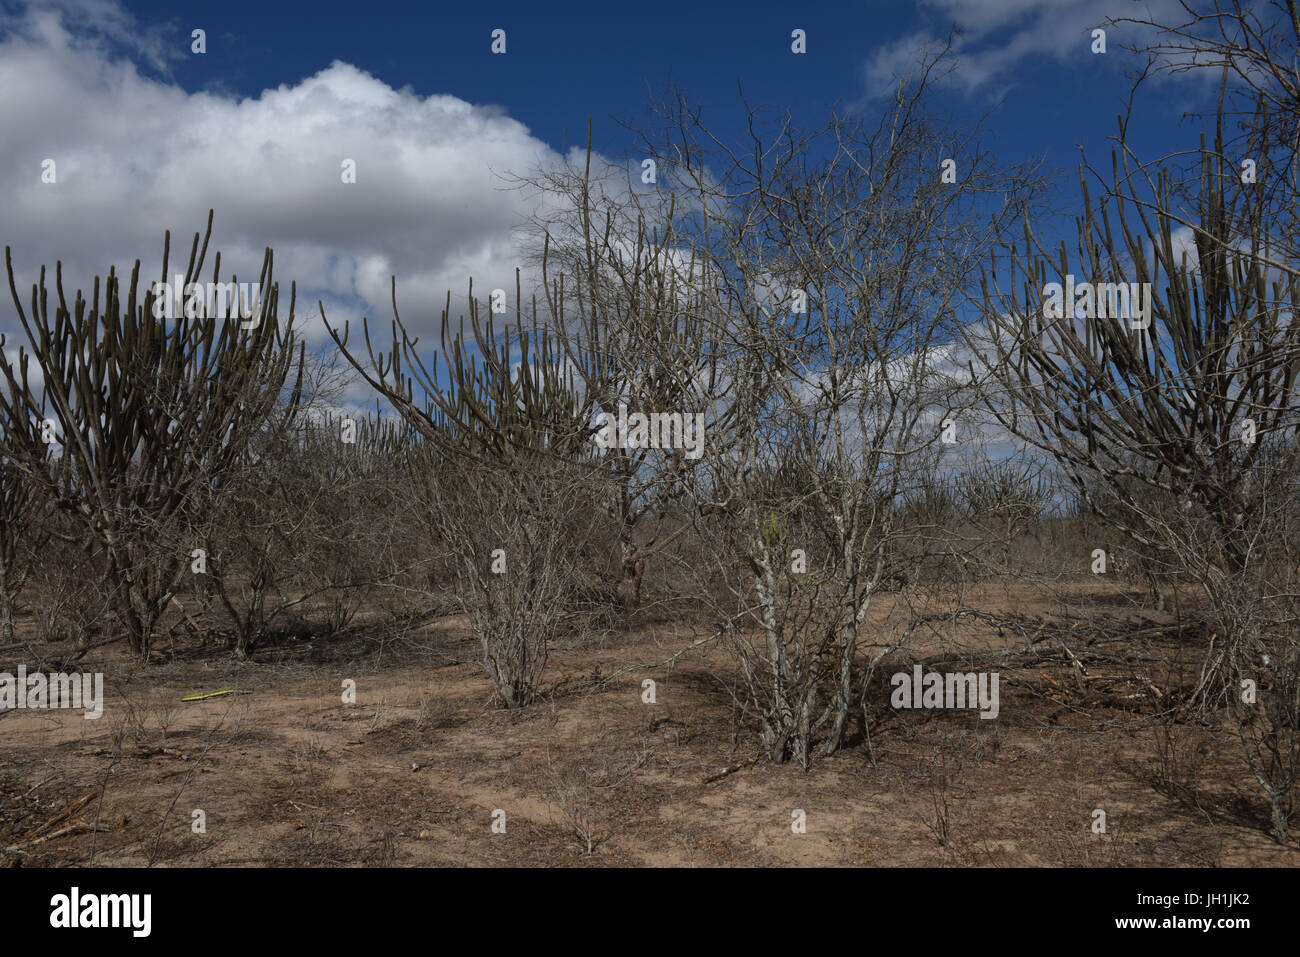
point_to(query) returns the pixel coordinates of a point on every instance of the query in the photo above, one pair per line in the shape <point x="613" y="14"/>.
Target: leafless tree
<point x="832" y="262"/>
<point x="1250" y="47"/>
<point x="1003" y="498"/>
<point x="629" y="315"/>
<point x="519" y="533"/>
<point x="23" y="513"/>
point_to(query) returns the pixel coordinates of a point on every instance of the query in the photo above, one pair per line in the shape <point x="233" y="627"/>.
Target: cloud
<point x="136" y="155"/>
<point x="99" y="25"/>
<point x="997" y="37"/>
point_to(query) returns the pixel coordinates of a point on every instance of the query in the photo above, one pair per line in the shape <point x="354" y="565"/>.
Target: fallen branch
<point x="731" y="770"/>
<point x="78" y="827"/>
<point x="66" y="813"/>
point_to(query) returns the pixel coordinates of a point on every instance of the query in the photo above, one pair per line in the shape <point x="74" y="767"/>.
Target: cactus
<point x="1144" y="409"/>
<point x="21" y="505"/>
<point x="504" y="389"/>
<point x="146" y="409"/>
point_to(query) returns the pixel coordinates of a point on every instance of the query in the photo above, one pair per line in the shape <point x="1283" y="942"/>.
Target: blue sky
<point x="605" y="60"/>
<point x="148" y="136"/>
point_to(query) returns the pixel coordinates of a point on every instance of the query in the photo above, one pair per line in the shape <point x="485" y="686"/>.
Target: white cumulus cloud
<point x="137" y="155"/>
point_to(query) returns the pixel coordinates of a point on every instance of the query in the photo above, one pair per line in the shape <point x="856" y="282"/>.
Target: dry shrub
<point x="520" y="533"/>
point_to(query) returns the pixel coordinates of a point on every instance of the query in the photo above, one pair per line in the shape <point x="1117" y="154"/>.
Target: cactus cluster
<point x="143" y="412"/>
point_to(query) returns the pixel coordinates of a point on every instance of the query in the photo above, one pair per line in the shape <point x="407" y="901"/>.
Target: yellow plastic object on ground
<point x="216" y="694"/>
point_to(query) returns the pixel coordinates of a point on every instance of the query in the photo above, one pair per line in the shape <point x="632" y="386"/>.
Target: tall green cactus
<point x="1221" y="348"/>
<point x="494" y="389"/>
<point x="145" y="409"/>
<point x="1186" y="398"/>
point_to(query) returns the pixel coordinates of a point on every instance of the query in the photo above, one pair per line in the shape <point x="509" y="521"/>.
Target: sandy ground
<point x="412" y="773"/>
